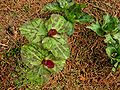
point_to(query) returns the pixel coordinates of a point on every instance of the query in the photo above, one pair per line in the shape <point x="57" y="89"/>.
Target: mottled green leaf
<point x="32" y="54"/>
<point x="33" y="30"/>
<point x="58" y="47"/>
<point x="34" y="77"/>
<point x="59" y="64"/>
<point x="59" y="23"/>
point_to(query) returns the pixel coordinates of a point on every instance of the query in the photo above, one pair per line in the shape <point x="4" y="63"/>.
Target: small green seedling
<point x="109" y="28"/>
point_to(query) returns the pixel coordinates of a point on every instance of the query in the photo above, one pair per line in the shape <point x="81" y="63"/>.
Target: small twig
<point x="3" y="45"/>
<point x="98" y="7"/>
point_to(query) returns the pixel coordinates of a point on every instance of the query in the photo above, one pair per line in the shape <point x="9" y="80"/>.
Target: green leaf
<point x="58" y="47"/>
<point x="106" y="18"/>
<point x="96" y="27"/>
<point x="59" y="23"/>
<point x="33" y="77"/>
<point x="77" y="9"/>
<point x="109" y="39"/>
<point x="74" y="13"/>
<point x="70" y="29"/>
<point x="58" y="6"/>
<point x="65" y="4"/>
<point x="51" y="7"/>
<point x="110" y="51"/>
<point x="84" y="18"/>
<point x="59" y="64"/>
<point x="34" y="30"/>
<point x="110" y="24"/>
<point x="69" y="16"/>
<point x="117" y="37"/>
<point x="32" y="54"/>
<point x="113" y="53"/>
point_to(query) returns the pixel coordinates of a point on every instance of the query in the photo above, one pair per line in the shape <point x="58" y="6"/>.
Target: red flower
<point x="52" y="32"/>
<point x="48" y="63"/>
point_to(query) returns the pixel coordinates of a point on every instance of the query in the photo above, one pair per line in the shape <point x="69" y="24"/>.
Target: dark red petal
<point x="50" y="64"/>
<point x="52" y="32"/>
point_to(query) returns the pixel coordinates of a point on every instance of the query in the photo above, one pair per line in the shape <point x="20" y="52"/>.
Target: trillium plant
<point x="47" y="49"/>
<point x="110" y="29"/>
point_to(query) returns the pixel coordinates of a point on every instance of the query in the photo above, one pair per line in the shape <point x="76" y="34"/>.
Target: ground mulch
<point x="88" y="67"/>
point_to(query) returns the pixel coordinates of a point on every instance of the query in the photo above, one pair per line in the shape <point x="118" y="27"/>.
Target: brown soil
<point x="88" y="67"/>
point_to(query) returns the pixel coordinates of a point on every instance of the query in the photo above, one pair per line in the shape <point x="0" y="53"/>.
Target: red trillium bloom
<point x="52" y="32"/>
<point x="48" y="63"/>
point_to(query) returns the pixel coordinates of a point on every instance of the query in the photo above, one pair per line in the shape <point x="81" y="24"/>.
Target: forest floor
<point x="88" y="67"/>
